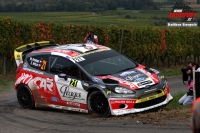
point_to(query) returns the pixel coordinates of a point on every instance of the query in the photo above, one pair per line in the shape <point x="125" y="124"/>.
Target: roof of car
<point x="74" y="50"/>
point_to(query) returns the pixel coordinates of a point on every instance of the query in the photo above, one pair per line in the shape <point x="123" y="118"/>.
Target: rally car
<point x="87" y="78"/>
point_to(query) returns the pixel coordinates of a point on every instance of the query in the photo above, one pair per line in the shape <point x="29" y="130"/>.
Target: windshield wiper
<point x="125" y="69"/>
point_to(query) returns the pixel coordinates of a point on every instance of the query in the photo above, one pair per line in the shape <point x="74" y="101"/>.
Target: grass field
<point x="118" y="17"/>
<point x="107" y="18"/>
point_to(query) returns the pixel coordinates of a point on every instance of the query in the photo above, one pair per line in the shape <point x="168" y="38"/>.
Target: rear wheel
<point x="98" y="104"/>
<point x="24" y="97"/>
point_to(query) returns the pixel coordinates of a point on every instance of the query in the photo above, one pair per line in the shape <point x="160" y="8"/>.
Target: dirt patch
<point x="161" y="117"/>
<point x="165" y="114"/>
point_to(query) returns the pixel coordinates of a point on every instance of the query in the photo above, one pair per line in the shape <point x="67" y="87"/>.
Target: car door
<point x="41" y="83"/>
<point x="70" y="90"/>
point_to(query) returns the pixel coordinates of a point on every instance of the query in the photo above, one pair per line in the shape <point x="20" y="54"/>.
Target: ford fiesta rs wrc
<point x="87" y="78"/>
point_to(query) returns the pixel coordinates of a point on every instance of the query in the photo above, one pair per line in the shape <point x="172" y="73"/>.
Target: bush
<point x="127" y="16"/>
<point x="150" y="45"/>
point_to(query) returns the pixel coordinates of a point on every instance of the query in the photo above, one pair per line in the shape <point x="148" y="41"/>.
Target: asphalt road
<point x="176" y="85"/>
<point x="14" y="119"/>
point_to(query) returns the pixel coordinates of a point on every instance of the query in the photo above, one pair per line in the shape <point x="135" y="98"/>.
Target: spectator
<point x="91" y="38"/>
<point x="188" y="98"/>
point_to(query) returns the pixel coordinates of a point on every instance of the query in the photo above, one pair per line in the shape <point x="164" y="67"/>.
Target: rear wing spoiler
<point x="20" y="52"/>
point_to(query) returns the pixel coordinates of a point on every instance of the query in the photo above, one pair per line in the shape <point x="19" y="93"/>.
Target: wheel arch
<point x="92" y="89"/>
<point x="95" y="91"/>
<point x="27" y="88"/>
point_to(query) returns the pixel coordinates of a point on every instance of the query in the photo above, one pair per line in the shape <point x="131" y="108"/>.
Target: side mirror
<point x="62" y="75"/>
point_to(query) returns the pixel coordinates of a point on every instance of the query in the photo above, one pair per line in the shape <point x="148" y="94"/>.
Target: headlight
<point x="123" y="90"/>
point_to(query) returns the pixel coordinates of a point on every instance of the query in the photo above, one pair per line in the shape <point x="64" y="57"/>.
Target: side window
<point x="38" y="62"/>
<point x="63" y="65"/>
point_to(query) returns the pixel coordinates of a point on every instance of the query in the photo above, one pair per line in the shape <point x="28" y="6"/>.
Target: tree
<point x="138" y="5"/>
<point x="11" y="7"/>
<point x="112" y="5"/>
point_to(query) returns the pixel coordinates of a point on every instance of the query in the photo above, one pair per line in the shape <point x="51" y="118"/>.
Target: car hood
<point x="140" y="77"/>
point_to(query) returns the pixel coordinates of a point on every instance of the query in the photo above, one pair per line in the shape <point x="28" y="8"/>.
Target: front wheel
<point x="98" y="104"/>
<point x="24" y="97"/>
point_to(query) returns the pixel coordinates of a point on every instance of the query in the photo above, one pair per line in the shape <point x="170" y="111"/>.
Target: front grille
<point x="150" y="102"/>
<point x="148" y="94"/>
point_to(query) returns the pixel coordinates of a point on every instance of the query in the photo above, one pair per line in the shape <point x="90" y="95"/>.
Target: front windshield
<point x="106" y="63"/>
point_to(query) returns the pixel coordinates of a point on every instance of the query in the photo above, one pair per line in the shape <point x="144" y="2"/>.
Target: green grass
<point x="171" y="72"/>
<point x="6" y="82"/>
<point x="106" y="18"/>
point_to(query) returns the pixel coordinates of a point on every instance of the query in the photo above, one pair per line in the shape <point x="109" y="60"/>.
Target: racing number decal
<point x="43" y="66"/>
<point x="73" y="83"/>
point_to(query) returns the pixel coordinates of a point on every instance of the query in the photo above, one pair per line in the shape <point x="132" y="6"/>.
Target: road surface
<point x="14" y="119"/>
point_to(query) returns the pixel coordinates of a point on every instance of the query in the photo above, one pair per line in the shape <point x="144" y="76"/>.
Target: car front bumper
<point x="121" y="106"/>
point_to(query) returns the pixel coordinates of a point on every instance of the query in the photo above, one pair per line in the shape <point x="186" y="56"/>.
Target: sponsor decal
<point x="43" y="83"/>
<point x="72" y="104"/>
<point x="83" y="110"/>
<point x="25" y="65"/>
<point x="75" y="56"/>
<point x="122" y="81"/>
<point x="130" y="78"/>
<point x="35" y="62"/>
<point x="24" y="78"/>
<point x="69" y="94"/>
<point x="108" y="92"/>
<point x="150" y="98"/>
<point x="54" y="99"/>
<point x="61" y="79"/>
<point x="34" y="71"/>
<point x="68" y="57"/>
<point x="140" y="79"/>
<point x="73" y="83"/>
<point x="102" y="86"/>
<point x="122" y="101"/>
<point x="18" y="56"/>
<point x="79" y="59"/>
<point x="127" y="73"/>
<point x="56" y="106"/>
<point x="144" y="83"/>
<point x="88" y="47"/>
<point x="148" y="74"/>
<point x="162" y="77"/>
<point x="71" y="108"/>
<point x="86" y="84"/>
<point x="44" y="64"/>
<point x="97" y="80"/>
<point x="151" y="90"/>
<point x="128" y="95"/>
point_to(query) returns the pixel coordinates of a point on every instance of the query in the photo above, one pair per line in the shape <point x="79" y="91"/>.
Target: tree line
<point x="75" y="5"/>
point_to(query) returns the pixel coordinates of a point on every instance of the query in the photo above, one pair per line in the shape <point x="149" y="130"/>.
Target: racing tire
<point x="25" y="97"/>
<point x="98" y="104"/>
